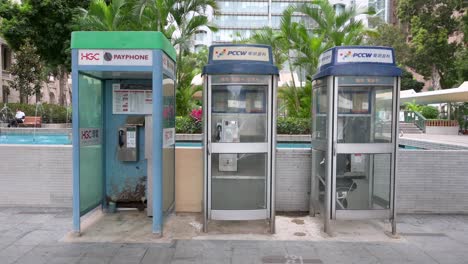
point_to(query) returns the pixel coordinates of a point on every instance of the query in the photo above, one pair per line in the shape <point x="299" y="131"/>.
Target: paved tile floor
<point x="33" y="235"/>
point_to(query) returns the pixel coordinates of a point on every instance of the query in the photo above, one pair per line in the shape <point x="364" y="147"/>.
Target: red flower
<point x="197" y="114"/>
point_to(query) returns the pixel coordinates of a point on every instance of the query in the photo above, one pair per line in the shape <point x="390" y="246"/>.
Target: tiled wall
<point x="36" y="175"/>
<point x="431" y="181"/>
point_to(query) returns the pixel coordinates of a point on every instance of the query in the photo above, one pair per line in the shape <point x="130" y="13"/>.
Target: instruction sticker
<point x="168" y="137"/>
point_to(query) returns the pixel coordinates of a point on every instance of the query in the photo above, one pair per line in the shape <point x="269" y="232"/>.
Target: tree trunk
<point x="23" y="97"/>
<point x="435" y="79"/>
<point x="63" y="80"/>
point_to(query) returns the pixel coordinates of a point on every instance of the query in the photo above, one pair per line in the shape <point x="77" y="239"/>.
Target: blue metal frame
<point x="157" y="74"/>
<point x="76" y="145"/>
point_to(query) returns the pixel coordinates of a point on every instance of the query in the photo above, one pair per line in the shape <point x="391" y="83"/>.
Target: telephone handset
<point x="219" y="129"/>
<point x="121" y="137"/>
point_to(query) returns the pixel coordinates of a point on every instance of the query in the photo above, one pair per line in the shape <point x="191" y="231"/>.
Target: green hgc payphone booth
<point x="123" y="122"/>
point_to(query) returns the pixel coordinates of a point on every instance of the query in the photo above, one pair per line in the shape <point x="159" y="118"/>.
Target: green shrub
<point x="285" y="125"/>
<point x="430" y="112"/>
<point x="50" y="113"/>
<point x="188" y="125"/>
<point x="292" y="125"/>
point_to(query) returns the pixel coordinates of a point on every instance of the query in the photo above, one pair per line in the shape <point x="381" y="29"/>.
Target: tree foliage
<point x="48" y="25"/>
<point x="393" y="36"/>
<point x="431" y="23"/>
<point x="190" y="65"/>
<point x="409" y="83"/>
<point x="28" y="73"/>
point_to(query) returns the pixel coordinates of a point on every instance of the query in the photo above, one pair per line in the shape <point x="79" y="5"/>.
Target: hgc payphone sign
<point x="115" y="57"/>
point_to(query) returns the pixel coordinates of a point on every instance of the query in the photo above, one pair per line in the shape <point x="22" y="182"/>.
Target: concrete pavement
<point x="34" y="235"/>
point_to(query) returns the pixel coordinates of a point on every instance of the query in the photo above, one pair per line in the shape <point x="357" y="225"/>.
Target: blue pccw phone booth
<point x="123" y="123"/>
<point x="355" y="113"/>
<point x="239" y="133"/>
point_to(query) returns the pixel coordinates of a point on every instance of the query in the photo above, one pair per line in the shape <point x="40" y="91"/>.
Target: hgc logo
<point x="90" y="56"/>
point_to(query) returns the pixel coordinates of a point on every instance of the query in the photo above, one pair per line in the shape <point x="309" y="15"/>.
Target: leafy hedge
<point x="430" y="112"/>
<point x="50" y="113"/>
<point x="188" y="125"/>
<point x="293" y="126"/>
<point x="285" y="125"/>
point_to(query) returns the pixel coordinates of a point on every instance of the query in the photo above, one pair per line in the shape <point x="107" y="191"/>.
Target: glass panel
<point x="319" y="169"/>
<point x="364" y="114"/>
<point x="239" y="113"/>
<point x="319" y="143"/>
<point x="90" y="122"/>
<point x="363" y="181"/>
<point x="238" y="181"/>
<point x="169" y="143"/>
<point x="320" y="110"/>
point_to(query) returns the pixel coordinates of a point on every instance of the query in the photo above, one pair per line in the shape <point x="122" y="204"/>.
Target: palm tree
<point x="189" y="66"/>
<point x="275" y="39"/>
<point x="154" y="15"/>
<point x="101" y="16"/>
<point x="336" y="29"/>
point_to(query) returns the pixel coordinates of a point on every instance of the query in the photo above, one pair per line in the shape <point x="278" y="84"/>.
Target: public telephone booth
<point x="123" y="123"/>
<point x="239" y="133"/>
<point x="354" y="134"/>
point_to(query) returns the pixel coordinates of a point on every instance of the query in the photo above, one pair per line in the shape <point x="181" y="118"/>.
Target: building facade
<point x="238" y="19"/>
<point x="5" y="63"/>
<point x="50" y="89"/>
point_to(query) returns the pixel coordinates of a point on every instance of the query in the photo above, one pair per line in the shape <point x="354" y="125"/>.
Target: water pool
<point x="38" y="139"/>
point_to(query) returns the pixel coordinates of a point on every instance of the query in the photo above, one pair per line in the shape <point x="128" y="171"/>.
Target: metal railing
<point x="416" y="118"/>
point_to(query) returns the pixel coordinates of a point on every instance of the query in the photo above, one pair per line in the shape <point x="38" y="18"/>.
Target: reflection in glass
<point x="238" y="181"/>
<point x="363" y="181"/>
<point x="320" y="109"/>
<point x="364" y="114"/>
<point x="239" y="113"/>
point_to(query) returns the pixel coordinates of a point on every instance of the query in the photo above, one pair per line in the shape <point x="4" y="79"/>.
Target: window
<point x="243" y="7"/>
<point x="6" y="57"/>
<point x="200" y="35"/>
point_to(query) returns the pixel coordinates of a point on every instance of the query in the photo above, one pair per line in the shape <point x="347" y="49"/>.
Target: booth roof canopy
<point x="357" y="61"/>
<point x="122" y="40"/>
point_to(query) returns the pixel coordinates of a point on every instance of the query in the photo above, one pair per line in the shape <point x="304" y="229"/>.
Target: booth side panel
<point x="90" y="118"/>
<point x="168" y="150"/>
